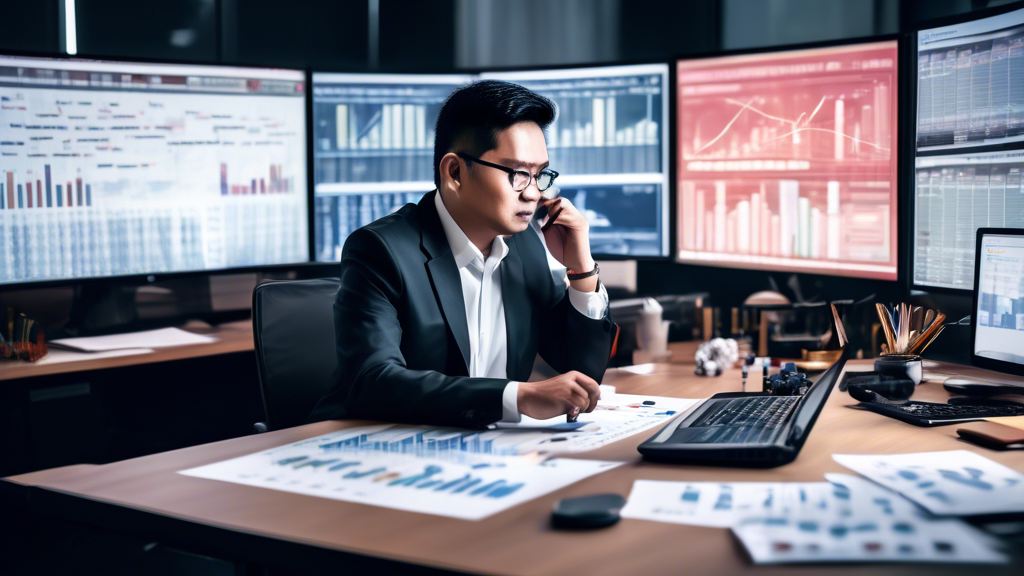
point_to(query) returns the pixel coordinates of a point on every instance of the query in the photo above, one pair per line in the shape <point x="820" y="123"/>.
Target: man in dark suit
<point x="444" y="304"/>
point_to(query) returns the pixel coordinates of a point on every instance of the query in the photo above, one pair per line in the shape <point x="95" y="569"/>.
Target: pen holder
<point x="901" y="366"/>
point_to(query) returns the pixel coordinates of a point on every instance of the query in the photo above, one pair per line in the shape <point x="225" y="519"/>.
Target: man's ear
<point x="451" y="170"/>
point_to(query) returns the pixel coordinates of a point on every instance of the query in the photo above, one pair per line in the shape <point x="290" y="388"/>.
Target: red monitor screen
<point x="787" y="161"/>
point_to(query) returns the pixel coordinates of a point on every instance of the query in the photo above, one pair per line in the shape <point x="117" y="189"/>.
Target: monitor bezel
<point x="910" y="140"/>
<point x="155" y="277"/>
<point x="477" y="71"/>
<point x="982" y="361"/>
<point x="901" y="39"/>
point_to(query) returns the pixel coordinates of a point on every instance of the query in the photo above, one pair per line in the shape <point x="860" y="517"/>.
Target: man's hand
<point x="567" y="234"/>
<point x="558" y="395"/>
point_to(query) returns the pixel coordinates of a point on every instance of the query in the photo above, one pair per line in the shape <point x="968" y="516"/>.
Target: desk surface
<point x="231" y="337"/>
<point x="519" y="540"/>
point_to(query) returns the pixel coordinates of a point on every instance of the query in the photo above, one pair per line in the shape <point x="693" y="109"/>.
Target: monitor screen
<point x="969" y="143"/>
<point x="788" y="160"/>
<point x="112" y="168"/>
<point x="609" y="144"/>
<point x="999" y="330"/>
<point x="373" y="148"/>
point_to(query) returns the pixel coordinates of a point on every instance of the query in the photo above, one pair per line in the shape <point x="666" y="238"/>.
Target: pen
<point x="572" y="415"/>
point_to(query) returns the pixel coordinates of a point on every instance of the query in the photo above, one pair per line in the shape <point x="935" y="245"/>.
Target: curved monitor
<point x="374" y="144"/>
<point x="787" y="160"/>
<point x="123" y="168"/>
<point x="969" y="143"/>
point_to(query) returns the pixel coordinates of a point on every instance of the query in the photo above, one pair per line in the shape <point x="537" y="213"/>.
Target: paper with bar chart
<point x="444" y="472"/>
<point x="787" y="161"/>
<point x="114" y="169"/>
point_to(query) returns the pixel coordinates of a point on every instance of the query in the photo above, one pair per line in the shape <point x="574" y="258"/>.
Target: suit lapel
<point x="444" y="274"/>
<point x="517" y="306"/>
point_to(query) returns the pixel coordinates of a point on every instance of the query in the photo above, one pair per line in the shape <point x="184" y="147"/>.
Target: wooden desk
<point x="231" y="337"/>
<point x="302" y="532"/>
<point x="74" y="407"/>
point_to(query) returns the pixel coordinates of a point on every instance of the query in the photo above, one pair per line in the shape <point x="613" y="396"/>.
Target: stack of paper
<point x="849" y="518"/>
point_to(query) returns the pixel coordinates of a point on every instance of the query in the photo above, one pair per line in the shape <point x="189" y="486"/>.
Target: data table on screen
<point x="969" y="143"/>
<point x="116" y="169"/>
<point x="787" y="160"/>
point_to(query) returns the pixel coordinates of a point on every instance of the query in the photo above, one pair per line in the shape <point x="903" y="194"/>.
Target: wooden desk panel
<point x="519" y="540"/>
<point x="231" y="337"/>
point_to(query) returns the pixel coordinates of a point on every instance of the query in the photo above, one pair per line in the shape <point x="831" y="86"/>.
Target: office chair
<point x="293" y="331"/>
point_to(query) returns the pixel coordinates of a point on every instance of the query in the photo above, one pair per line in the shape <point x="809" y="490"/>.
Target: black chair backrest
<point x="293" y="329"/>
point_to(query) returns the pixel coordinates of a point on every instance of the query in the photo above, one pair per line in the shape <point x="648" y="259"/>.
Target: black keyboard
<point x="934" y="414"/>
<point x="749" y="420"/>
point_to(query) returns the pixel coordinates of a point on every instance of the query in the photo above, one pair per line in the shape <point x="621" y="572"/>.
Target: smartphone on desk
<point x="993" y="435"/>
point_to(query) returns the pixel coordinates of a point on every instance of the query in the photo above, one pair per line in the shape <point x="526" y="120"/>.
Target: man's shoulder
<point x="395" y="230"/>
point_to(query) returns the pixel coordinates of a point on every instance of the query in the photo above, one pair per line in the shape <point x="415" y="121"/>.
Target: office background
<point x="404" y="36"/>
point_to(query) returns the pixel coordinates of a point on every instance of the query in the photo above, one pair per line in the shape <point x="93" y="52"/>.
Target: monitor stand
<point x="102" y="308"/>
<point x="112" y="307"/>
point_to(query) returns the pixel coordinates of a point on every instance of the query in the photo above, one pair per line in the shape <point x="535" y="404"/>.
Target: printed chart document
<point x="617" y="416"/>
<point x="956" y="482"/>
<point x="161" y="338"/>
<point x="845" y="519"/>
<point x="406" y="468"/>
<point x="724" y="504"/>
<point x="878" y="526"/>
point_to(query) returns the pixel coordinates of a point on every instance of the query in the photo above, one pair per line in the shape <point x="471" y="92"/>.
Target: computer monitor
<point x="118" y="169"/>
<point x="609" y="144"/>
<point x="373" y="148"/>
<point x="787" y="160"/>
<point x="969" y="142"/>
<point x="997" y="329"/>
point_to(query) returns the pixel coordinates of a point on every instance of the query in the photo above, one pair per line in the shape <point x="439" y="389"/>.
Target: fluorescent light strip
<point x="70" y="34"/>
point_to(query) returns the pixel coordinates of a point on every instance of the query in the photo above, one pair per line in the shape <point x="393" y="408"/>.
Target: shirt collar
<point x="465" y="252"/>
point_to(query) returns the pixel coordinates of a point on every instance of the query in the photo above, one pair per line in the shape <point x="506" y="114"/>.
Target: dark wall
<point x="30" y="26"/>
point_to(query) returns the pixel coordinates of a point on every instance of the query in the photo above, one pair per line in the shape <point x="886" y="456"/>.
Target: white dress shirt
<point x="485" y="310"/>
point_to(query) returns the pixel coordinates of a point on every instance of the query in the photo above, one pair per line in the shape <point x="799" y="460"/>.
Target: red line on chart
<point x="799" y="125"/>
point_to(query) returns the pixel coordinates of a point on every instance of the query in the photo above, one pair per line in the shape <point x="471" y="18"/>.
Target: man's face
<point x="487" y="194"/>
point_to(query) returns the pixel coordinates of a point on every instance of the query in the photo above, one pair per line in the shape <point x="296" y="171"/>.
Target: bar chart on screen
<point x="609" y="143"/>
<point x="788" y="160"/>
<point x="117" y="174"/>
<point x="373" y="148"/>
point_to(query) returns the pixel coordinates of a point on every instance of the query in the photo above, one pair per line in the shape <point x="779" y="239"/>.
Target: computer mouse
<point x="594" y="511"/>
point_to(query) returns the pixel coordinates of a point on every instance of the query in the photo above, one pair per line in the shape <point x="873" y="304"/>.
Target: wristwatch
<point x="574" y="275"/>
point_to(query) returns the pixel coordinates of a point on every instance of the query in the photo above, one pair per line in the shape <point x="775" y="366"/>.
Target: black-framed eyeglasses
<point x="519" y="179"/>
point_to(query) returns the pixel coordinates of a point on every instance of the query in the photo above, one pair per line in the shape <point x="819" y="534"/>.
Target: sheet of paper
<point x="957" y="482"/>
<point x="617" y="416"/>
<point x="59" y="356"/>
<point x="877" y="526"/>
<point x="358" y="465"/>
<point x="724" y="504"/>
<point x="161" y="338"/>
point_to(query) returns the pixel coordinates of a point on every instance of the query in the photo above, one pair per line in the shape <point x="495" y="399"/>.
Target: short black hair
<point x="474" y="115"/>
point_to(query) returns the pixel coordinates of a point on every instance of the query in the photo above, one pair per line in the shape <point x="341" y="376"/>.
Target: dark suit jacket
<point x="402" y="338"/>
